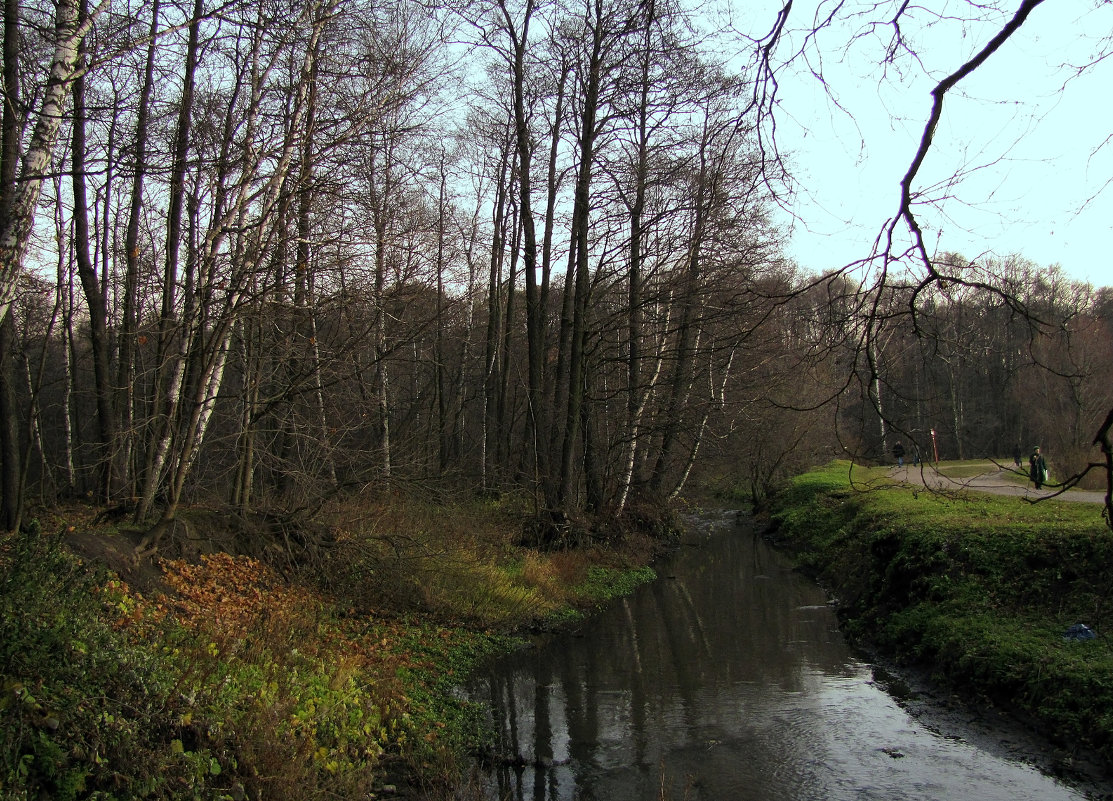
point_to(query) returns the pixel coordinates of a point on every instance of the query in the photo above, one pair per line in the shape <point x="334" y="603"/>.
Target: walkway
<point x="995" y="480"/>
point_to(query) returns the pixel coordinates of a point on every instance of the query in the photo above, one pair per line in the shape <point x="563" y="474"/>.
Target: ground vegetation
<point x="1004" y="601"/>
<point x="215" y="675"/>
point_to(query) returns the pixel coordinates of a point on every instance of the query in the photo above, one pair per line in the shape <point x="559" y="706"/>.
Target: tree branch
<point x="937" y="94"/>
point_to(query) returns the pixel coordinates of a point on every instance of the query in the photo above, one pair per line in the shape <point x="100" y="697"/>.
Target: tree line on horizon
<point x="284" y="251"/>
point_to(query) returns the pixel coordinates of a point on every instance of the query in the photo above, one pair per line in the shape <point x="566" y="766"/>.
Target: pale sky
<point x="1037" y="178"/>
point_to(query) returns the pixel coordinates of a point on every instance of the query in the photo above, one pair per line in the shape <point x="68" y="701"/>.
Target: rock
<point x="1079" y="631"/>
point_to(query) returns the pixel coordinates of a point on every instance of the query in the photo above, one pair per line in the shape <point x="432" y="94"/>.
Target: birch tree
<point x="37" y="157"/>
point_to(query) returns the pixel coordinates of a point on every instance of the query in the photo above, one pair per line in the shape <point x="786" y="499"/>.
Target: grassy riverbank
<point x="221" y="675"/>
<point x="979" y="589"/>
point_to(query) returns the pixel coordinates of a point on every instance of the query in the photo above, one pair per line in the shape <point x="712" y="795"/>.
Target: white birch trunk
<point x="721" y="400"/>
<point x="209" y="392"/>
<point x="15" y="231"/>
<point x="319" y="397"/>
<point x="635" y="430"/>
<point x="269" y="195"/>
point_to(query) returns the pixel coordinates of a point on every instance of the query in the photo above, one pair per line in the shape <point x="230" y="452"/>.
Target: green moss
<point x="606" y="583"/>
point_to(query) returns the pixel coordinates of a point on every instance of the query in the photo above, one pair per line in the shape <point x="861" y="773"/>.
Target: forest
<point x="341" y="340"/>
<point x="259" y="255"/>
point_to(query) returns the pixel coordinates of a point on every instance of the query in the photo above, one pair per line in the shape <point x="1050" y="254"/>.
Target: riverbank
<point x="728" y="678"/>
<point x="222" y="668"/>
<point x="982" y="593"/>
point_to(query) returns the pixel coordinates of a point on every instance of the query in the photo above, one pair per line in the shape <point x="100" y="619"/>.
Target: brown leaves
<point x="233" y="595"/>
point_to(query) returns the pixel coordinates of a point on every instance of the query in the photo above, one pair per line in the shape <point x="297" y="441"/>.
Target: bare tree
<point x="17" y="224"/>
<point x="901" y="256"/>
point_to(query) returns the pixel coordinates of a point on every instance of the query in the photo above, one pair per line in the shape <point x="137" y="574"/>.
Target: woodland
<point x="260" y="255"/>
<point x="374" y="331"/>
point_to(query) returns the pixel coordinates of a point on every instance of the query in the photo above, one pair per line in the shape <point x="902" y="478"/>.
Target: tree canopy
<point x="263" y="255"/>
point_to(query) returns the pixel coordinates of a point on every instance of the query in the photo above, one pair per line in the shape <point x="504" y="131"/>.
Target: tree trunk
<point x="169" y="368"/>
<point x="535" y="311"/>
<point x="17" y="224"/>
<point x="494" y="321"/>
<point x="129" y="330"/>
<point x="440" y="358"/>
<point x="9" y="155"/>
<point x="581" y="211"/>
<point x="875" y="396"/>
<point x="107" y="463"/>
<point x="503" y="413"/>
<point x="685" y="351"/>
<point x="10" y="501"/>
<point x="382" y="376"/>
<point x="303" y="274"/>
<point x="545" y="411"/>
<point x="635" y="394"/>
<point x="250" y="347"/>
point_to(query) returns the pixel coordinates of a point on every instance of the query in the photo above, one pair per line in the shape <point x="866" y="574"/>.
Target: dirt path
<point x="995" y="480"/>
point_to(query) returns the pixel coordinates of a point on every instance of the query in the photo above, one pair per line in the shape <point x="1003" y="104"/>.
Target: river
<point x="727" y="678"/>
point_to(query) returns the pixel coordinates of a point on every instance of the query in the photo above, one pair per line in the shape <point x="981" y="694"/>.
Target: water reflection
<point x="727" y="679"/>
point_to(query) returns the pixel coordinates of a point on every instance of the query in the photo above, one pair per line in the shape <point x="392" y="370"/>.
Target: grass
<point x="231" y="680"/>
<point x="979" y="588"/>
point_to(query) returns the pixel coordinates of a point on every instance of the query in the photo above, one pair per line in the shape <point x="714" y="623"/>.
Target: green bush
<point x="84" y="711"/>
<point x="101" y="701"/>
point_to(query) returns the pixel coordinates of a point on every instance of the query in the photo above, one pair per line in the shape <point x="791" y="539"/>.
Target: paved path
<point x="994" y="480"/>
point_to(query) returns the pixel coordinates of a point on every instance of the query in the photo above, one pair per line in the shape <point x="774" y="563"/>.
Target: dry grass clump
<point x="461" y="561"/>
<point x="456" y="561"/>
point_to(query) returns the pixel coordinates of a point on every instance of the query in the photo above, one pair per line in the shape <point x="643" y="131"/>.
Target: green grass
<point x="979" y="588"/>
<point x="603" y="584"/>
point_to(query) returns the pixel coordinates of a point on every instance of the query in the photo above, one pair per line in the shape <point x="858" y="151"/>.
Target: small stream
<point x="727" y="679"/>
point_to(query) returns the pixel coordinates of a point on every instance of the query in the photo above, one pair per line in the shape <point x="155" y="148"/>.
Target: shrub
<point x="84" y="710"/>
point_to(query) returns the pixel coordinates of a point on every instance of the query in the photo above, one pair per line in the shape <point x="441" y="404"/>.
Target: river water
<point x="726" y="679"/>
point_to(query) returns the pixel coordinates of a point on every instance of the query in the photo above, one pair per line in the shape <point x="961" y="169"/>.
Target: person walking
<point x="1037" y="468"/>
<point x="898" y="451"/>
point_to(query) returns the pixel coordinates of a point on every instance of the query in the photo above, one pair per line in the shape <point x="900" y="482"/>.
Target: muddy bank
<point x="973" y="596"/>
<point x="1005" y="733"/>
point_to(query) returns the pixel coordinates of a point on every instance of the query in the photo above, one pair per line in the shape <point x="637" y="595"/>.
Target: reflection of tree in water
<point x="662" y="676"/>
<point x="727" y="679"/>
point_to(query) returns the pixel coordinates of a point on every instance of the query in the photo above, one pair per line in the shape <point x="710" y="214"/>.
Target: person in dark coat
<point x="898" y="451"/>
<point x="1037" y="468"/>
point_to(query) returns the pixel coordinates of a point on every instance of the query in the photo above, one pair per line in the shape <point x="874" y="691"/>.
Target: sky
<point x="1026" y="142"/>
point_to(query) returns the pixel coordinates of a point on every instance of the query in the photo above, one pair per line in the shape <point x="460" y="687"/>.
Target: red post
<point x="934" y="446"/>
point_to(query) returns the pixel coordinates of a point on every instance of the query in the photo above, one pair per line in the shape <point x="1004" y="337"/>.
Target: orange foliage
<point x="233" y="595"/>
<point x="237" y="602"/>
